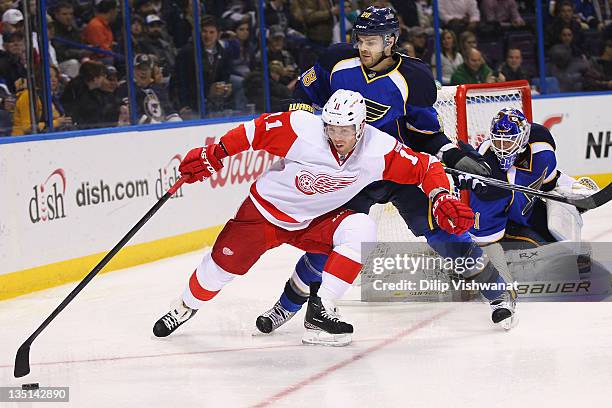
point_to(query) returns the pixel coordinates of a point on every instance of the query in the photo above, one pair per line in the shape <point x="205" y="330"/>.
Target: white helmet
<point x="345" y="108"/>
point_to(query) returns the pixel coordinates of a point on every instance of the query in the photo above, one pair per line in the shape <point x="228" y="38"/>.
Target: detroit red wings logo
<point x="310" y="184"/>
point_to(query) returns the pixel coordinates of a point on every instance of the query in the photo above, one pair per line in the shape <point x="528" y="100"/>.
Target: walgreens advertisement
<point x="67" y="198"/>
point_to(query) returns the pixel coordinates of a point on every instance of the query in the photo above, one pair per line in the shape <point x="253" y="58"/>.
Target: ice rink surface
<point x="403" y="355"/>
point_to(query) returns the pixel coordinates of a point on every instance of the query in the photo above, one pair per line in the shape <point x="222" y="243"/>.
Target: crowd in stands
<point x="481" y="41"/>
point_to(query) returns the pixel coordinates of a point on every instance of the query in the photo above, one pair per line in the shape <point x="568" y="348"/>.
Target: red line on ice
<point x="325" y="372"/>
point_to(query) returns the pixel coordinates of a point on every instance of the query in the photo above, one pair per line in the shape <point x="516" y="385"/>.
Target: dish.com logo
<point x="47" y="204"/>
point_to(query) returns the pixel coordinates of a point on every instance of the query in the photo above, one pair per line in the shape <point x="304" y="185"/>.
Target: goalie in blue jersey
<point x="523" y="153"/>
<point x="399" y="92"/>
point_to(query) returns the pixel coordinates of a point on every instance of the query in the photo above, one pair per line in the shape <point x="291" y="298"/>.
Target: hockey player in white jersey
<point x="324" y="162"/>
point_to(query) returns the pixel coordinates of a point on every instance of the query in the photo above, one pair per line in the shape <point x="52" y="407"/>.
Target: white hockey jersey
<point x="309" y="180"/>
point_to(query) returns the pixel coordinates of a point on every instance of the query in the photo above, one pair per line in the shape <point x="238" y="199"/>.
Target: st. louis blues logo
<point x="375" y="110"/>
<point x="310" y="184"/>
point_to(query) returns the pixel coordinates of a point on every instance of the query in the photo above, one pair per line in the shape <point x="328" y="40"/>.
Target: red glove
<point x="202" y="162"/>
<point x="451" y="214"/>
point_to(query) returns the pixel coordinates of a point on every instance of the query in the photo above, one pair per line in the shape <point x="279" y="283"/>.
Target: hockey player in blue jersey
<point x="521" y="153"/>
<point x="399" y="92"/>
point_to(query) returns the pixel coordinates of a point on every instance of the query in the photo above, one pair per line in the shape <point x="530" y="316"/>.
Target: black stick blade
<point x="596" y="200"/>
<point x="22" y="361"/>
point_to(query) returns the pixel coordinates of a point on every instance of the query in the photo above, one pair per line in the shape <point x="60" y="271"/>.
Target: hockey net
<point x="465" y="112"/>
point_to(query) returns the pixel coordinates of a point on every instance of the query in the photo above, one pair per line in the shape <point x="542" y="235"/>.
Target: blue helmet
<point x="509" y="136"/>
<point x="377" y="21"/>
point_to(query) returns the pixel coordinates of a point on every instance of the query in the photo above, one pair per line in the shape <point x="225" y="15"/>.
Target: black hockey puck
<point x="30" y="386"/>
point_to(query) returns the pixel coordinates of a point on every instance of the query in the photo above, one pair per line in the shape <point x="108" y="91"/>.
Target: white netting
<point x="481" y="106"/>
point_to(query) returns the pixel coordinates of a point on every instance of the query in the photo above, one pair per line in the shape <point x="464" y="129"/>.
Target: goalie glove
<point x="202" y="162"/>
<point x="466" y="158"/>
<point x="451" y="214"/>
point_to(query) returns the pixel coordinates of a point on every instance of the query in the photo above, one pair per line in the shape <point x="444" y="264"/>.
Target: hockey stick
<point x="22" y="359"/>
<point x="584" y="203"/>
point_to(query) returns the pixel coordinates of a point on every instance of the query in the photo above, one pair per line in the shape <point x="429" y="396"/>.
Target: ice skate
<point x="504" y="311"/>
<point x="273" y="318"/>
<point x="323" y="324"/>
<point x="171" y="321"/>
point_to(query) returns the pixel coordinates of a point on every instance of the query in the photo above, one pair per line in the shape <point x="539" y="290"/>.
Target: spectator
<point x="277" y="14"/>
<point x="7" y="109"/>
<point x="459" y="15"/>
<point x="418" y="37"/>
<point x="503" y="12"/>
<point x="137" y="31"/>
<point x="144" y="8"/>
<point x="408" y="48"/>
<point x="236" y="11"/>
<point x="408" y="11"/>
<point x="280" y="93"/>
<point x="216" y="66"/>
<point x="98" y="31"/>
<point x="319" y="20"/>
<point x="512" y="68"/>
<point x="568" y="69"/>
<point x="474" y="70"/>
<point x="12" y="20"/>
<point x="467" y="40"/>
<point x="110" y="100"/>
<point x="242" y="53"/>
<point x="12" y="60"/>
<point x="21" y="119"/>
<point x="599" y="74"/>
<point x="152" y="102"/>
<point x="592" y="13"/>
<point x="566" y="37"/>
<point x="564" y="17"/>
<point x="66" y="29"/>
<point x="179" y="22"/>
<point x="276" y="49"/>
<point x="451" y="58"/>
<point x="156" y="43"/>
<point x="80" y="99"/>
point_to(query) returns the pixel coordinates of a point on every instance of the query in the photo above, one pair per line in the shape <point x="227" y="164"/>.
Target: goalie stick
<point x="22" y="359"/>
<point x="583" y="203"/>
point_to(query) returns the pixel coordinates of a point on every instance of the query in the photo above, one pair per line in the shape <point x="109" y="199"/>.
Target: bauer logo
<point x="47" y="203"/>
<point x="167" y="176"/>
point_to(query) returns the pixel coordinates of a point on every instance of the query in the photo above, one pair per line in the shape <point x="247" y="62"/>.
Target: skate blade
<point x="510" y="323"/>
<point x="319" y="337"/>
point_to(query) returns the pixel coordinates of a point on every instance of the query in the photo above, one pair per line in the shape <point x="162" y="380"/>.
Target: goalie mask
<point x="345" y="108"/>
<point x="509" y="135"/>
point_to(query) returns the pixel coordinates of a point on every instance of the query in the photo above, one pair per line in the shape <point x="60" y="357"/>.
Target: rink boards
<point x="66" y="201"/>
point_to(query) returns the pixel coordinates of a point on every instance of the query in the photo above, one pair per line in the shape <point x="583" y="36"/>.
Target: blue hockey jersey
<point x="399" y="100"/>
<point x="536" y="167"/>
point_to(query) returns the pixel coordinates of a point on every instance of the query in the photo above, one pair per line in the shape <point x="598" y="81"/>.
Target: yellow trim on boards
<point x="43" y="277"/>
<point x="602" y="180"/>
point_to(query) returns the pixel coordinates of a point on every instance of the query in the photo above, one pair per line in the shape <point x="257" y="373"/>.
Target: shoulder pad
<point x="539" y="133"/>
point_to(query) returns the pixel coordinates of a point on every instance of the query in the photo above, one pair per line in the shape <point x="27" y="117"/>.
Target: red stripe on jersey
<point x="403" y="165"/>
<point x="342" y="267"/>
<point x="198" y="291"/>
<point x="235" y="141"/>
<point x="274" y="134"/>
<point x="269" y="207"/>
